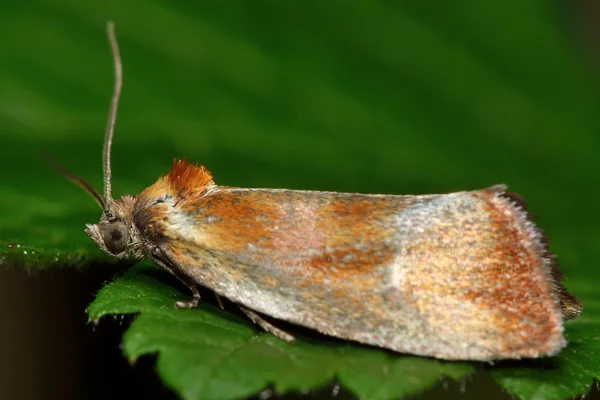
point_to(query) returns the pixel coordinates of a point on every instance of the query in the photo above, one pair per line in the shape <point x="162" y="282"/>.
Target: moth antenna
<point x="75" y="179"/>
<point x="112" y="115"/>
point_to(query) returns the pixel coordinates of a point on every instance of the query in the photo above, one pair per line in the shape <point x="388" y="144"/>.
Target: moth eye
<point x="115" y="237"/>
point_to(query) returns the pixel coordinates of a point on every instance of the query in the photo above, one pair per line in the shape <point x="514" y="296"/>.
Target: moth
<point x="459" y="276"/>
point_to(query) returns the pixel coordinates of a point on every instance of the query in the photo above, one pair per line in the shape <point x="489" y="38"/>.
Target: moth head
<point x="112" y="237"/>
<point x="114" y="233"/>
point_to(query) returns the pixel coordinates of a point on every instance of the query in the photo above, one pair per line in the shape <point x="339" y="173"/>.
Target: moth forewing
<point x="459" y="276"/>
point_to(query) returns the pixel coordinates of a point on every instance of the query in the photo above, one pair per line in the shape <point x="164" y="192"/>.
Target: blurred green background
<point x="363" y="96"/>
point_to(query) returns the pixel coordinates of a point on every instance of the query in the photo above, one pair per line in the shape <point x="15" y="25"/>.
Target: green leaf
<point x="362" y="96"/>
<point x="210" y="354"/>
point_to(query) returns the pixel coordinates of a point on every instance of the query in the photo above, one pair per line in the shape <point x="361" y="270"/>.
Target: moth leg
<point x="157" y="258"/>
<point x="189" y="303"/>
<point x="219" y="301"/>
<point x="266" y="326"/>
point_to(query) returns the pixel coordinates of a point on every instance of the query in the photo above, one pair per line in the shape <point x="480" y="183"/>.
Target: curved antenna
<point x="112" y="115"/>
<point x="76" y="179"/>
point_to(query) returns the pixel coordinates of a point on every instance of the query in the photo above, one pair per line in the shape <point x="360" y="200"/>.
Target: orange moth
<point x="464" y="275"/>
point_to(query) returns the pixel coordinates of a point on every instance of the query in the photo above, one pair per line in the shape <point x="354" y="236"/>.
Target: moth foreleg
<point x="266" y="326"/>
<point x="157" y="257"/>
